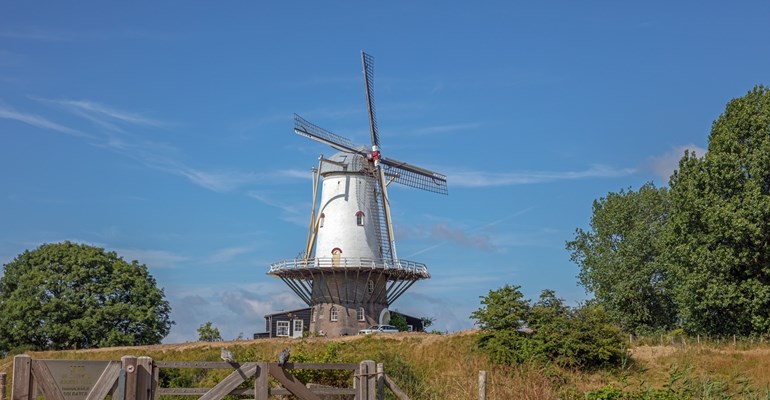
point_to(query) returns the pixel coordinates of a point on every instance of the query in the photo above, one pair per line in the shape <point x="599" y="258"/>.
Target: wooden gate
<point x="136" y="378"/>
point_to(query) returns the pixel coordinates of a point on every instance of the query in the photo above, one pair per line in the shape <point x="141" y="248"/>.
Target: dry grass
<point x="446" y="367"/>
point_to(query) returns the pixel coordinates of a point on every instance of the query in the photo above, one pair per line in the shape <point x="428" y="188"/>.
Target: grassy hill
<point x="446" y="367"/>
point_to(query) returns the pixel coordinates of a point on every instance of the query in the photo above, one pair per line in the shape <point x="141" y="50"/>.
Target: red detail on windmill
<point x="376" y="156"/>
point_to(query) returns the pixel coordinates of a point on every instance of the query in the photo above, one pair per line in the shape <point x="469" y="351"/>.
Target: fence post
<point x="144" y="383"/>
<point x="482" y="385"/>
<point x="129" y="365"/>
<point x="380" y="382"/>
<point x="261" y="388"/>
<point x="2" y="385"/>
<point x="22" y="378"/>
<point x="367" y="383"/>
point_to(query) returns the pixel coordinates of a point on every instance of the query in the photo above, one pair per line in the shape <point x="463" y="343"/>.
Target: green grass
<point x="446" y="367"/>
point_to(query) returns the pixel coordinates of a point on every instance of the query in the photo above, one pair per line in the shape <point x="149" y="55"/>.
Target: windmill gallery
<point x="349" y="273"/>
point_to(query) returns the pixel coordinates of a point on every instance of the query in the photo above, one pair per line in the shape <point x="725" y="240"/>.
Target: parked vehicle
<point x="378" y="329"/>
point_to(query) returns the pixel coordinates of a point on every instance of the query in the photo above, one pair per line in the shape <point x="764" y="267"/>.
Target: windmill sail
<point x="412" y="176"/>
<point x="368" y="62"/>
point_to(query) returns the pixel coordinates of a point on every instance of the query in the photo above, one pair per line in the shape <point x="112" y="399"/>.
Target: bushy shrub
<point x="546" y="332"/>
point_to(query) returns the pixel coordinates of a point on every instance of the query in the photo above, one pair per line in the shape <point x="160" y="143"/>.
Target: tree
<point x="67" y="295"/>
<point x="718" y="237"/>
<point x="548" y="331"/>
<point x="427" y="322"/>
<point x="399" y="321"/>
<point x="502" y="309"/>
<point x="620" y="258"/>
<point x="208" y="333"/>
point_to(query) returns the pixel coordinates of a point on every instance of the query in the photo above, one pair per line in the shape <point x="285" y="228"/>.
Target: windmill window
<point x="333" y="314"/>
<point x="312" y="314"/>
<point x="360" y="218"/>
<point x="360" y="314"/>
<point x="321" y="220"/>
<point x="370" y="286"/>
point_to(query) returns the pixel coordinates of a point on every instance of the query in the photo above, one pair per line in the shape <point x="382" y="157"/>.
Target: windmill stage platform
<point x="299" y="273"/>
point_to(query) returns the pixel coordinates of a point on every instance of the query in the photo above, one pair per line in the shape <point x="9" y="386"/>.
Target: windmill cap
<point x="353" y="163"/>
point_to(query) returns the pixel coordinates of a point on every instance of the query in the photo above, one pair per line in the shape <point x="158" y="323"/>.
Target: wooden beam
<point x="220" y="364"/>
<point x="105" y="382"/>
<point x="223" y="388"/>
<point x="45" y="381"/>
<point x="291" y="383"/>
<point x="395" y="389"/>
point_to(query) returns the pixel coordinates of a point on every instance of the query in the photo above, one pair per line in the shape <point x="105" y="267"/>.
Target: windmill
<point x="349" y="272"/>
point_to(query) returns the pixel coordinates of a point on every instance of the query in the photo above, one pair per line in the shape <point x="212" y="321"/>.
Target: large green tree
<point x="718" y="241"/>
<point x="620" y="258"/>
<point x="67" y="295"/>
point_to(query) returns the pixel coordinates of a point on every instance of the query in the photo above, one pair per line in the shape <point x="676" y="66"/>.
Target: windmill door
<point x="298" y="326"/>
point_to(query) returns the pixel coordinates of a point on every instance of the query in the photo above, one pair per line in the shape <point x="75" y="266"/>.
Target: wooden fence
<point x="136" y="378"/>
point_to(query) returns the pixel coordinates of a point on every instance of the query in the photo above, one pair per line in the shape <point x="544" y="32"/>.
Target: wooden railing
<point x="136" y="378"/>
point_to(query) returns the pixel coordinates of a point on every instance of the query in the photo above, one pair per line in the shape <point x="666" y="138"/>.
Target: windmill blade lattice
<point x="305" y="128"/>
<point x="369" y="81"/>
<point x="416" y="177"/>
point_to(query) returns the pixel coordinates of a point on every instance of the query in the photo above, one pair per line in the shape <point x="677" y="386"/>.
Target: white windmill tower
<point x="350" y="272"/>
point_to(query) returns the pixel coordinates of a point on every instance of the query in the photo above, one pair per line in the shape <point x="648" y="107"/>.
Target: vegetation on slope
<point x="446" y="367"/>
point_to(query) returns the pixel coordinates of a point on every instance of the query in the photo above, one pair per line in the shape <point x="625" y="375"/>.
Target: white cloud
<point x="37" y="34"/>
<point x="152" y="258"/>
<point x="664" y="165"/>
<point x="447" y="128"/>
<point x="486" y="178"/>
<point x="227" y="254"/>
<point x="102" y="114"/>
<point x="233" y="309"/>
<point x="38" y="121"/>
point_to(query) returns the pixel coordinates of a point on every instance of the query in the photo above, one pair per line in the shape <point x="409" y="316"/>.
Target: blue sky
<point x="163" y="131"/>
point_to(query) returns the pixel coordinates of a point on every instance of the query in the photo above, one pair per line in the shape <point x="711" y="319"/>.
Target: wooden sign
<point x="75" y="378"/>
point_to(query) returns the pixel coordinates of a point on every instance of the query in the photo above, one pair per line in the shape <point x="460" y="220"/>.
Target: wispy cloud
<point x="218" y="181"/>
<point x="462" y="238"/>
<point x="152" y="258"/>
<point x="38" y="121"/>
<point x="37" y="34"/>
<point x="295" y="173"/>
<point x="450" y="128"/>
<point x="293" y="213"/>
<point x="487" y="179"/>
<point x="477" y="237"/>
<point x="227" y="254"/>
<point x="116" y="134"/>
<point x="664" y="165"/>
<point x="273" y="203"/>
<point x="105" y="116"/>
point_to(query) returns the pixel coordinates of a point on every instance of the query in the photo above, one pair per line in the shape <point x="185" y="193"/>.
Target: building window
<point x="360" y="314"/>
<point x="282" y="328"/>
<point x="333" y="314"/>
<point x="360" y="218"/>
<point x="321" y="220"/>
<point x="370" y="286"/>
